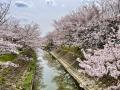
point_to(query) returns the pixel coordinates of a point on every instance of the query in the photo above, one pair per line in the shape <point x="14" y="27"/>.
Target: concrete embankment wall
<point x="83" y="80"/>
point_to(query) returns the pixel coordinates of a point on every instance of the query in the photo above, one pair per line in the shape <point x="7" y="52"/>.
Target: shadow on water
<point x="63" y="80"/>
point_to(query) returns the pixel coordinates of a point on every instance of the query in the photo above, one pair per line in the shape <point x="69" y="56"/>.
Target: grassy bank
<point x="7" y="57"/>
<point x="20" y="78"/>
<point x="29" y="76"/>
<point x="69" y="54"/>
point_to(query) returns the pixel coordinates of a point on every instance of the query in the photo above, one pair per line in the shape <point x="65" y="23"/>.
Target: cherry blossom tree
<point x="86" y="26"/>
<point x="95" y="27"/>
<point x="28" y="35"/>
<point x="8" y="47"/>
<point x="14" y="35"/>
<point x="109" y="8"/>
<point x="68" y="27"/>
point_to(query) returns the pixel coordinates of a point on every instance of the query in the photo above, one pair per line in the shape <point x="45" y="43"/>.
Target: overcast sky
<point x="42" y="12"/>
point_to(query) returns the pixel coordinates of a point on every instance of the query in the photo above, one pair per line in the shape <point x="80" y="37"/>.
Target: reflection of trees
<point x="52" y="62"/>
<point x="38" y="84"/>
<point x="64" y="81"/>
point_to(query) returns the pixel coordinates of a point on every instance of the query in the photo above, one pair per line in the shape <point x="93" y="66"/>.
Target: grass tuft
<point x="7" y="57"/>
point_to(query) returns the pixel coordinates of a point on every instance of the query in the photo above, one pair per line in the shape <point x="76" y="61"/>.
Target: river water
<point x="54" y="76"/>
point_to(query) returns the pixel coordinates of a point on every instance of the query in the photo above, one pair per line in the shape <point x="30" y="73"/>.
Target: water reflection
<point x="62" y="79"/>
<point x="48" y="73"/>
<point x="38" y="83"/>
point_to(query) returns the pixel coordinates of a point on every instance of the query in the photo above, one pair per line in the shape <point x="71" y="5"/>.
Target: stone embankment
<point x="84" y="81"/>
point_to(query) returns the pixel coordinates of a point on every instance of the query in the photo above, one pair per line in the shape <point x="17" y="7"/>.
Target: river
<point x="54" y="77"/>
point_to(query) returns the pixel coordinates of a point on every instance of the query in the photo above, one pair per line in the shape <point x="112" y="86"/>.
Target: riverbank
<point x="67" y="58"/>
<point x="18" y="77"/>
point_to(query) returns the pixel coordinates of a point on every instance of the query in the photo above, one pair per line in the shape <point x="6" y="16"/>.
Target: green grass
<point x="27" y="75"/>
<point x="28" y="81"/>
<point x="31" y="70"/>
<point x="7" y="57"/>
<point x="64" y="49"/>
<point x="2" y="80"/>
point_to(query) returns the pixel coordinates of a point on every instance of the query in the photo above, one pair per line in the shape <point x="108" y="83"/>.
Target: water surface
<point x="54" y="75"/>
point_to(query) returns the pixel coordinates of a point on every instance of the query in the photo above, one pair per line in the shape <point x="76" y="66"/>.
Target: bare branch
<point x="4" y="8"/>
